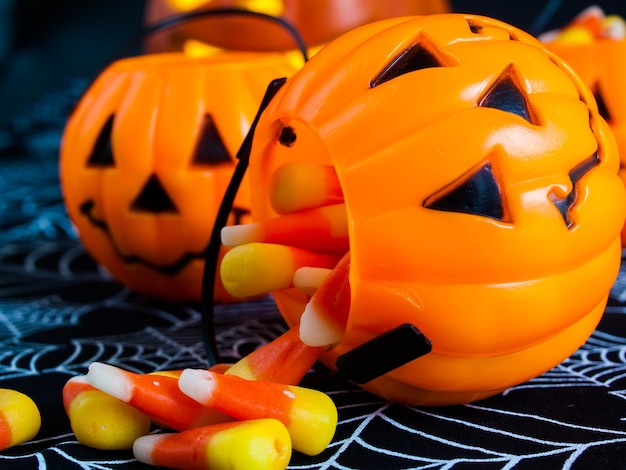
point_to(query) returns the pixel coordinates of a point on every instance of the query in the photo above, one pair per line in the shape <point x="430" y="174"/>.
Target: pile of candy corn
<point x="247" y="415"/>
<point x="255" y="405"/>
<point x="588" y="26"/>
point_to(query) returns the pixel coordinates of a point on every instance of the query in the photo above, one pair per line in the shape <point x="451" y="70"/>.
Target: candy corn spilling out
<point x="19" y="418"/>
<point x="326" y="314"/>
<point x="309" y="415"/>
<point x="588" y="26"/>
<point x="99" y="420"/>
<point x="264" y="267"/>
<point x="285" y="360"/>
<point x="322" y="229"/>
<point x="243" y="445"/>
<point x="157" y="396"/>
<point x="266" y="419"/>
<point x="306" y="247"/>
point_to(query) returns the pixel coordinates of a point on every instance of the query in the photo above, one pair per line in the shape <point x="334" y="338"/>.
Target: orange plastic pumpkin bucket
<point x="480" y="198"/>
<point x="147" y="155"/>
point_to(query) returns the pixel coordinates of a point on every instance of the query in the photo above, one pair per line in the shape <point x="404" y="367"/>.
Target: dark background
<point x="46" y="43"/>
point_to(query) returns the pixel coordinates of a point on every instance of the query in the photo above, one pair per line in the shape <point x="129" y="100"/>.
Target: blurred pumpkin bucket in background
<point x="463" y="182"/>
<point x="146" y="157"/>
<point x="594" y="44"/>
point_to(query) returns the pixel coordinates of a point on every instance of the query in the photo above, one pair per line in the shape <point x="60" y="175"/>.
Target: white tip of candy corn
<point x="592" y="11"/>
<point x="197" y="384"/>
<point x="143" y="446"/>
<point x="308" y="279"/>
<point x="110" y="380"/>
<point x="235" y="235"/>
<point x="614" y="27"/>
<point x="318" y="329"/>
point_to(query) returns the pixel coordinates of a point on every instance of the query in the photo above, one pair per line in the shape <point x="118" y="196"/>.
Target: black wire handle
<point x="176" y="20"/>
<point x="213" y="250"/>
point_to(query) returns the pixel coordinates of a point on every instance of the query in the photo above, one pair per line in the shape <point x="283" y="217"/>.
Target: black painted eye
<point x="505" y="95"/>
<point x="565" y="203"/>
<point x="478" y="194"/>
<point x="416" y="57"/>
<point x="153" y="198"/>
<point x="102" y="152"/>
<point x="210" y="149"/>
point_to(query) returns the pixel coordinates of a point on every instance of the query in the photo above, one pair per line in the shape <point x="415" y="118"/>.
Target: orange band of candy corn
<point x="158" y="396"/>
<point x="242" y="445"/>
<point x="309" y="415"/>
<point x="284" y="360"/>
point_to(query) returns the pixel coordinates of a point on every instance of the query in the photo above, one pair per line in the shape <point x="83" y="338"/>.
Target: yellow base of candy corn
<point x="19" y="416"/>
<point x="101" y="421"/>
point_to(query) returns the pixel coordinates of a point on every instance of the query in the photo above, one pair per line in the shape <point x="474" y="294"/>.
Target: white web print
<point x="508" y="431"/>
<point x="601" y="362"/>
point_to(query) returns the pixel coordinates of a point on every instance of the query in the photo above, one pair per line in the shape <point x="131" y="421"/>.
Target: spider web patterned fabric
<point x="59" y="312"/>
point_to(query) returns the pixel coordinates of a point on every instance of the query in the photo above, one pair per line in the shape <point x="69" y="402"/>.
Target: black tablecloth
<point x="59" y="312"/>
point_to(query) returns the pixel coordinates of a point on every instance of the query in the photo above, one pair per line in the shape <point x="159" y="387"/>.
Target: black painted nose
<point x="153" y="198"/>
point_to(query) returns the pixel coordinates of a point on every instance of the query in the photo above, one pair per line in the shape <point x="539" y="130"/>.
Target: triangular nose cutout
<point x="153" y="198"/>
<point x="478" y="194"/>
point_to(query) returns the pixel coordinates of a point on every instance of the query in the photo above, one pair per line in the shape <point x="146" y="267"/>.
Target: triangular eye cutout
<point x="415" y="57"/>
<point x="153" y="198"/>
<point x="602" y="107"/>
<point x="210" y="149"/>
<point x="102" y="152"/>
<point x="505" y="95"/>
<point x="478" y="194"/>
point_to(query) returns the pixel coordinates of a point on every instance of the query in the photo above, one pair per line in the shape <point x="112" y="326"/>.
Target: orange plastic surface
<point x="158" y="105"/>
<point x="505" y="296"/>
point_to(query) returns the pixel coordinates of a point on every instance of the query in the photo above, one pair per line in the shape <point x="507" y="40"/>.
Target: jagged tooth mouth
<point x="305" y="247"/>
<point x="172" y="268"/>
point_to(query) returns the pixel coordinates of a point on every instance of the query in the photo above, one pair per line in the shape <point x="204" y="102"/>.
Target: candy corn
<point x="258" y="268"/>
<point x="309" y="415"/>
<point x="99" y="420"/>
<point x="614" y="27"/>
<point x="308" y="279"/>
<point x="325" y="316"/>
<point x="297" y="186"/>
<point x="285" y="360"/>
<point x="588" y="26"/>
<point x="19" y="418"/>
<point x="245" y="445"/>
<point x="157" y="396"/>
<point x="322" y="229"/>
